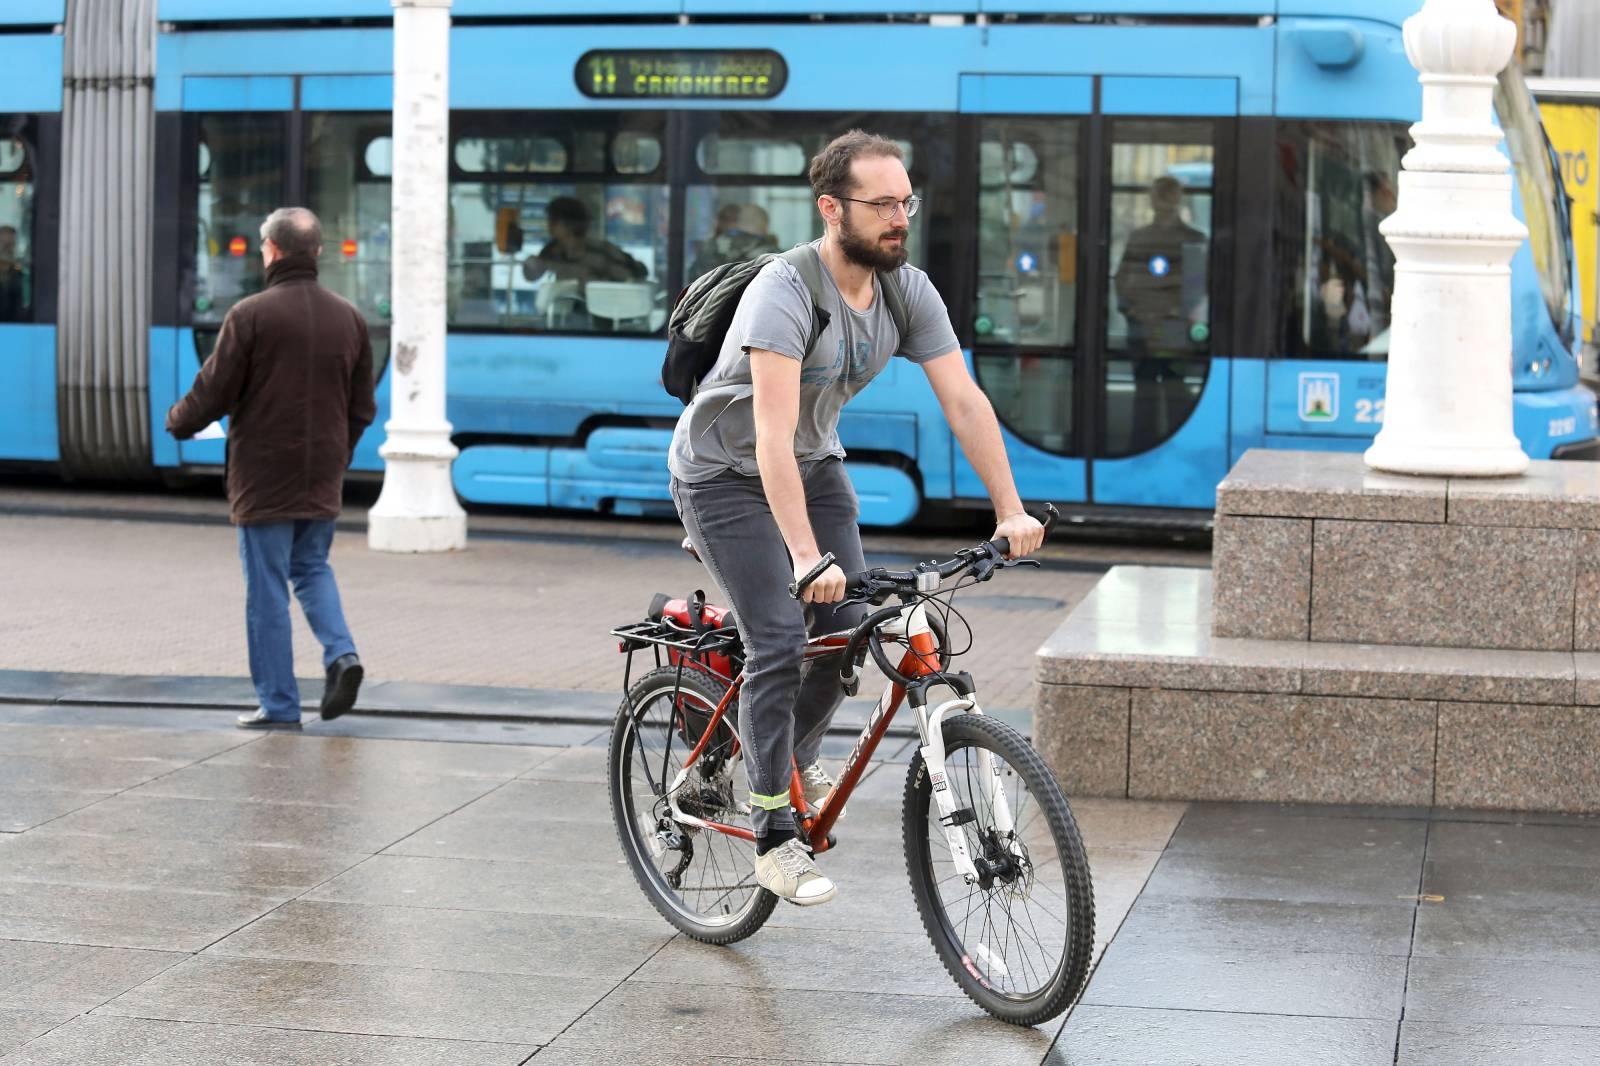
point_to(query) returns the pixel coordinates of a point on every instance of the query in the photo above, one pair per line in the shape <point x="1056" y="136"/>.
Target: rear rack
<point x="637" y="635"/>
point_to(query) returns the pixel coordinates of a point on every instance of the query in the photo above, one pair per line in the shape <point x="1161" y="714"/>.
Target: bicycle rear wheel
<point x="1019" y="942"/>
<point x="700" y="880"/>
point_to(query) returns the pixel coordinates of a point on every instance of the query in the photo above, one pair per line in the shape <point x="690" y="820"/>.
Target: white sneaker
<point x="815" y="784"/>
<point x="788" y="872"/>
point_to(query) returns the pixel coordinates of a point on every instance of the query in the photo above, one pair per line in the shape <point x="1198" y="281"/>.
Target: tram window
<point x="241" y="165"/>
<point x="551" y="228"/>
<point x="1027" y="293"/>
<point x="16" y="224"/>
<point x="511" y="155"/>
<point x="1339" y="180"/>
<point x="769" y="156"/>
<point x="1028" y="173"/>
<point x="352" y="199"/>
<point x="1158" y="318"/>
<point x="586" y="257"/>
<point x="1536" y="181"/>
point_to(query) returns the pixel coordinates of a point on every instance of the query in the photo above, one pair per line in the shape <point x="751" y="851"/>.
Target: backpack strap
<point x="894" y="298"/>
<point x="808" y="264"/>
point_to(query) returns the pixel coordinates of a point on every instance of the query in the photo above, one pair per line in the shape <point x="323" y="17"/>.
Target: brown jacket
<point x="292" y="370"/>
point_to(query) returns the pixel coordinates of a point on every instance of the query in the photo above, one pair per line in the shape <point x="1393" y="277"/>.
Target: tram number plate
<point x="1369" y="411"/>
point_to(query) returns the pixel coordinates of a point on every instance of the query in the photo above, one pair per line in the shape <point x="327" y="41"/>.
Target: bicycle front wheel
<point x="701" y="880"/>
<point x="1019" y="941"/>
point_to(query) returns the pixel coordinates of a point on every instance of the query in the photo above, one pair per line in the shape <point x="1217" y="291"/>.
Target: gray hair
<point x="295" y="230"/>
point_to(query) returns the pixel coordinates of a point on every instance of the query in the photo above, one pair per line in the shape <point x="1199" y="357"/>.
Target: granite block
<point x="1173" y="595"/>
<point x="1586" y="667"/>
<point x="1586" y="613"/>
<point x="1551" y="495"/>
<point x="1420" y="673"/>
<point x="1282" y="484"/>
<point x="1443" y="585"/>
<point x="1091" y="651"/>
<point x="1505" y="756"/>
<point x="1312" y="749"/>
<point x="1082" y="732"/>
<point x="1262" y="578"/>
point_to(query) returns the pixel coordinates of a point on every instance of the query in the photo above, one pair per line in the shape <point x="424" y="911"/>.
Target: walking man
<point x="292" y="370"/>
<point x="759" y="480"/>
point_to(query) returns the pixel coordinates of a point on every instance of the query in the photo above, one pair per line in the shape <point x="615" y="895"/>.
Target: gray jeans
<point x="784" y="707"/>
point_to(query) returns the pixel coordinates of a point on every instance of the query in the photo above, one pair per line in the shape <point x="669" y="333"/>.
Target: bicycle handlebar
<point x="878" y="584"/>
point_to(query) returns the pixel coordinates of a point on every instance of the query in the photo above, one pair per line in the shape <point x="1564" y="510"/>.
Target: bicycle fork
<point x="913" y="625"/>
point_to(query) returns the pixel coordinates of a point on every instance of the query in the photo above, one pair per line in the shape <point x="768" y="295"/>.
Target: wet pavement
<point x="382" y="890"/>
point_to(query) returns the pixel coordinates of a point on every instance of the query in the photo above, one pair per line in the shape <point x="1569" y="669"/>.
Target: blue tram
<point x="1043" y="135"/>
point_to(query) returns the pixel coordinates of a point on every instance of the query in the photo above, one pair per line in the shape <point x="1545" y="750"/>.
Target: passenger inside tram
<point x="1161" y="290"/>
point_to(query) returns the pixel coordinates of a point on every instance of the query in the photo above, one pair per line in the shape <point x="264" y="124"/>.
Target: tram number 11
<point x="1369" y="411"/>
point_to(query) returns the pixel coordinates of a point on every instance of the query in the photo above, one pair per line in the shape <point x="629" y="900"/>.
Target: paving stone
<point x="1255" y="829"/>
<point x="572" y="764"/>
<point x="1522" y="845"/>
<point x="44" y="855"/>
<point x="1124" y="1036"/>
<point x="115" y="916"/>
<point x="479" y="941"/>
<point x="296" y="825"/>
<point x="1503" y="991"/>
<point x="159" y="745"/>
<point x="388" y="756"/>
<point x="380" y="1000"/>
<point x="559" y="1054"/>
<point x="1530" y="886"/>
<point x="101" y="1040"/>
<point x="17" y="1027"/>
<point x="1131" y="825"/>
<point x="1146" y="973"/>
<point x="1468" y="1044"/>
<point x="597" y="889"/>
<point x="55" y="977"/>
<point x="23" y="773"/>
<point x="20" y="811"/>
<point x="820" y="960"/>
<point x="1465" y="929"/>
<point x="1371" y="877"/>
<point x="338" y="786"/>
<point x="1158" y="924"/>
<point x="859" y="1027"/>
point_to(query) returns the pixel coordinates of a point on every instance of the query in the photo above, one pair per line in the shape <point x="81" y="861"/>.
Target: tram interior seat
<point x="554" y="299"/>
<point x="623" y="301"/>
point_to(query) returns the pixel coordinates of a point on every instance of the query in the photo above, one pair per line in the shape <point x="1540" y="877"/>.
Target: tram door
<point x="1092" y="331"/>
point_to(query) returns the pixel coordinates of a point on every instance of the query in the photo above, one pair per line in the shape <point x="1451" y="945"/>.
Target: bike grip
<point x="797" y="587"/>
<point x="1047" y="518"/>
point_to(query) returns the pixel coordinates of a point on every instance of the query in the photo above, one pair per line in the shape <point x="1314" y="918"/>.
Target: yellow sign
<point x="682" y="74"/>
<point x="1574" y="129"/>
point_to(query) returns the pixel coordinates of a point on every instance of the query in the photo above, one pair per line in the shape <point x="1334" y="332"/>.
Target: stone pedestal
<point x="1362" y="638"/>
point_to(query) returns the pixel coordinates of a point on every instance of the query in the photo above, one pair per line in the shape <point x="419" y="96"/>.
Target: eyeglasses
<point x="886" y="207"/>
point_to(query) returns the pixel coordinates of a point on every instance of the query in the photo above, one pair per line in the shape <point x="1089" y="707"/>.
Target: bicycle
<point x="995" y="859"/>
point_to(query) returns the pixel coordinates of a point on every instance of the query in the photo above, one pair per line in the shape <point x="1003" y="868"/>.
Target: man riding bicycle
<point x="759" y="481"/>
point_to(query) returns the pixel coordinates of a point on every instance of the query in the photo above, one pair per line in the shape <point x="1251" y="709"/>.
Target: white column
<point x="1448" y="406"/>
<point x="417" y="510"/>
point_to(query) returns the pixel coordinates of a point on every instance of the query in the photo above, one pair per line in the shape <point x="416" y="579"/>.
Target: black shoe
<point x="344" y="681"/>
<point x="258" y="719"/>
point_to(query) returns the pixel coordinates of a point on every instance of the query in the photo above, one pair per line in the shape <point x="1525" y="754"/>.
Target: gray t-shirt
<point x="717" y="431"/>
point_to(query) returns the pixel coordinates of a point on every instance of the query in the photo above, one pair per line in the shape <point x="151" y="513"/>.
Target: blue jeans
<point x="274" y="555"/>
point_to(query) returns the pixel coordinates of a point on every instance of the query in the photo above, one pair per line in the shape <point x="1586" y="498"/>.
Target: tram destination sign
<point x="682" y="74"/>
